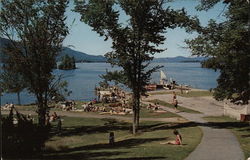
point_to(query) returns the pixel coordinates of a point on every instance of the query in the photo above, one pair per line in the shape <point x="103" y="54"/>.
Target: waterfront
<point x="83" y="80"/>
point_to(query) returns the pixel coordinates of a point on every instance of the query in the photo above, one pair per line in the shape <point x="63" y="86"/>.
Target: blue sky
<point x="82" y="38"/>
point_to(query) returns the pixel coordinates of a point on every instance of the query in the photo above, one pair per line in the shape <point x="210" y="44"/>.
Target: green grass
<point x="190" y="94"/>
<point x="87" y="139"/>
<point x="240" y="129"/>
<point x="180" y="108"/>
<point x="144" y="113"/>
<point x="196" y="94"/>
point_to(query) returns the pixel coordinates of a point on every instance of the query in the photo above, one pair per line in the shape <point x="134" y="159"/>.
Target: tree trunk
<point x="18" y="98"/>
<point x="135" y="114"/>
<point x="138" y="115"/>
<point x="134" y="121"/>
<point x="41" y="113"/>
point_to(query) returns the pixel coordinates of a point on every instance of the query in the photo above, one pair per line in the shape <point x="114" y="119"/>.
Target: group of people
<point x="90" y="107"/>
<point x="110" y="94"/>
<point x="112" y="108"/>
<point x="7" y="106"/>
<point x="69" y="105"/>
<point x="154" y="107"/>
<point x="51" y="118"/>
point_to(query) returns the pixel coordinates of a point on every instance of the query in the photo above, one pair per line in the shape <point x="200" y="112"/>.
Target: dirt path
<point x="216" y="143"/>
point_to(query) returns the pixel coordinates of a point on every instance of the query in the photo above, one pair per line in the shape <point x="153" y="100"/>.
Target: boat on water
<point x="165" y="83"/>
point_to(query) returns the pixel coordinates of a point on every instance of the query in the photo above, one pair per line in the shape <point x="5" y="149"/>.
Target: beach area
<point x="124" y="80"/>
<point x="193" y="112"/>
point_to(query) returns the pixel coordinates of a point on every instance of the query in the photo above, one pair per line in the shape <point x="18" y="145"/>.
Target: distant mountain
<point x="83" y="57"/>
<point x="179" y="59"/>
<point x="79" y="56"/>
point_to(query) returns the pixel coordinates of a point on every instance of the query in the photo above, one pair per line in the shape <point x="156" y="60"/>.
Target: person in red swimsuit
<point x="177" y="141"/>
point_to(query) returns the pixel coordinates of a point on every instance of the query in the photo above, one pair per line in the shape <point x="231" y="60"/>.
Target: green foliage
<point x="227" y="44"/>
<point x="136" y="41"/>
<point x="67" y="63"/>
<point x="59" y="89"/>
<point x="23" y="139"/>
<point x="12" y="82"/>
<point x="36" y="30"/>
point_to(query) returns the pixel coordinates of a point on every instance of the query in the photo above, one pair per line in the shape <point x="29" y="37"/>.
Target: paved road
<point x="216" y="144"/>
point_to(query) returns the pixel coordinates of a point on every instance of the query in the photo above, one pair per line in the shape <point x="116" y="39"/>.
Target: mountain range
<point x="83" y="57"/>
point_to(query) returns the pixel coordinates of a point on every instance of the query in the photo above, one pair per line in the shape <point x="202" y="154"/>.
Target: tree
<point x="227" y="44"/>
<point x="12" y="82"/>
<point x="36" y="30"/>
<point x="67" y="63"/>
<point x="134" y="42"/>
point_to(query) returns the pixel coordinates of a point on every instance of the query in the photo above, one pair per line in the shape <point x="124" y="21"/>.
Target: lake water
<point x="83" y="80"/>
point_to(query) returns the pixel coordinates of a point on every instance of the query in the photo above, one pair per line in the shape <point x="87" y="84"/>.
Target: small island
<point x="67" y="63"/>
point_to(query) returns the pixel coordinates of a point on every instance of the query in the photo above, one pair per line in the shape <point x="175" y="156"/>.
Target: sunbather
<point x="177" y="141"/>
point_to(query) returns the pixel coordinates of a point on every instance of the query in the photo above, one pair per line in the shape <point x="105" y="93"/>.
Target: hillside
<point x="179" y="59"/>
<point x="79" y="56"/>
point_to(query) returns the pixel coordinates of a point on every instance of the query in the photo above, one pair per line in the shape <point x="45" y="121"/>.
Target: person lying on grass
<point x="177" y="141"/>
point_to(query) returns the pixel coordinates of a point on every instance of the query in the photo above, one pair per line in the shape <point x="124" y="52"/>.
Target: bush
<point x="24" y="139"/>
<point x="67" y="63"/>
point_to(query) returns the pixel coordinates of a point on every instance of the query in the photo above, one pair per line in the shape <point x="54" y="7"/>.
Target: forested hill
<point x="79" y="56"/>
<point x="179" y="59"/>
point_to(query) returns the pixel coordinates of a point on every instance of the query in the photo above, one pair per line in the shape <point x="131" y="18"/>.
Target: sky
<point x="82" y="38"/>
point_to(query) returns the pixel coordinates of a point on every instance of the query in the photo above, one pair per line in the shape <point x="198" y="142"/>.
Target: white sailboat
<point x="163" y="78"/>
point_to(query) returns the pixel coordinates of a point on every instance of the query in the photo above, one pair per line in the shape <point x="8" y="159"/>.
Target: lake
<point x="83" y="80"/>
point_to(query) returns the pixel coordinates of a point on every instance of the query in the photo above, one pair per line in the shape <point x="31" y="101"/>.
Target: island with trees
<point x="67" y="63"/>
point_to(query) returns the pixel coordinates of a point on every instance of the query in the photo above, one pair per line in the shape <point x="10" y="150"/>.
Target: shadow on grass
<point x="127" y="143"/>
<point x="88" y="151"/>
<point x="105" y="151"/>
<point x="242" y="126"/>
<point x="110" y="125"/>
<point x="137" y="158"/>
<point x="81" y="155"/>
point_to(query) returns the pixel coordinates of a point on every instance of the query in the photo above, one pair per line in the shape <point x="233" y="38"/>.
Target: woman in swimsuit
<point x="177" y="141"/>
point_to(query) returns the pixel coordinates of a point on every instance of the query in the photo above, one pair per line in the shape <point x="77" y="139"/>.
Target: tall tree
<point x="135" y="40"/>
<point x="227" y="44"/>
<point x="12" y="82"/>
<point x="36" y="29"/>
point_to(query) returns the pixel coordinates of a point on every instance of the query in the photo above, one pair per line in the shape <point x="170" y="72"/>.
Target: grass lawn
<point x="190" y="94"/>
<point x="180" y="108"/>
<point x="240" y="129"/>
<point x="144" y="113"/>
<point x="87" y="139"/>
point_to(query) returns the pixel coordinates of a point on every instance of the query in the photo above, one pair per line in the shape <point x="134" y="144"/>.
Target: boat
<point x="163" y="78"/>
<point x="164" y="83"/>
